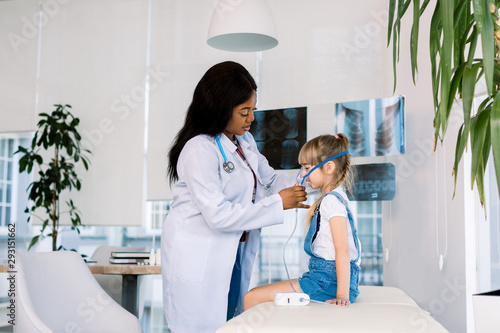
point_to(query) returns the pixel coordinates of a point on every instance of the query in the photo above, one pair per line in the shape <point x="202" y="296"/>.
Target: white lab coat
<point x="200" y="237"/>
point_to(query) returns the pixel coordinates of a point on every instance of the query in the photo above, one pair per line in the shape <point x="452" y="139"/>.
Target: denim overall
<point x="320" y="283"/>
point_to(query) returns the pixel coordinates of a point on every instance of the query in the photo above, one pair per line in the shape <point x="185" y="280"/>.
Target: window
<point x="156" y="212"/>
<point x="369" y="217"/>
<point x="6" y="181"/>
<point x="13" y="198"/>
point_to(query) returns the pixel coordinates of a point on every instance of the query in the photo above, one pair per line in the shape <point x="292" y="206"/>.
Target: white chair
<point x="56" y="292"/>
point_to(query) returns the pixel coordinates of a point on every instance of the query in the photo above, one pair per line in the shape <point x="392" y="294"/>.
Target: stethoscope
<point x="228" y="166"/>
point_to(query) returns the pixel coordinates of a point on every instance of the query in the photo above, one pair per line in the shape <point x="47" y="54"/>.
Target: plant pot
<point x="486" y="310"/>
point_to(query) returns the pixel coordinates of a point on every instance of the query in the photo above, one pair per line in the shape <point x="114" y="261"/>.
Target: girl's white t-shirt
<point x="323" y="243"/>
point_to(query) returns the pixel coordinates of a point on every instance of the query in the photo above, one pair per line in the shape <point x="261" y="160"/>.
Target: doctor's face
<point x="242" y="118"/>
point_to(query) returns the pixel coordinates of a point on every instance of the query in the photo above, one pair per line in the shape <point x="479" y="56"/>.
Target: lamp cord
<point x="441" y="256"/>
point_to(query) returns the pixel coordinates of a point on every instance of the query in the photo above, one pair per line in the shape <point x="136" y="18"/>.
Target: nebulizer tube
<point x="284" y="248"/>
<point x="300" y="180"/>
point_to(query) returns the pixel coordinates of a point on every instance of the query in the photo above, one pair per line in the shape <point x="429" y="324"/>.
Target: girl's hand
<point x="340" y="301"/>
<point x="293" y="196"/>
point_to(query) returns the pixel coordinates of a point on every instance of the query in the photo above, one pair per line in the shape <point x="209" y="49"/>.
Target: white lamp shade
<point x="242" y="26"/>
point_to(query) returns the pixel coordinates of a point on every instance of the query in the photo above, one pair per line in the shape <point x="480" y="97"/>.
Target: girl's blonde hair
<point x="321" y="148"/>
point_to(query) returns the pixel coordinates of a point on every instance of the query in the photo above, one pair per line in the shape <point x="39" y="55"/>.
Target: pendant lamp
<point x="242" y="26"/>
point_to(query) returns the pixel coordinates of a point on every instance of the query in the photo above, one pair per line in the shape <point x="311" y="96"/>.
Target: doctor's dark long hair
<point x="223" y="87"/>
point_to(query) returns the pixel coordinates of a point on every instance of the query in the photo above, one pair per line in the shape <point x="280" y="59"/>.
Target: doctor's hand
<point x="293" y="196"/>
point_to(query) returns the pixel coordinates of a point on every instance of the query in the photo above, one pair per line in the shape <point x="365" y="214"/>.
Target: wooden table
<point x="130" y="274"/>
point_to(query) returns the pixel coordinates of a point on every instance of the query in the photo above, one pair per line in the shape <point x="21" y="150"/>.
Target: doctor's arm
<point x="198" y="167"/>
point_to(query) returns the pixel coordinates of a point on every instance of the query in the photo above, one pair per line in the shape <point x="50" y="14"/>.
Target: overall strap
<point x="350" y="217"/>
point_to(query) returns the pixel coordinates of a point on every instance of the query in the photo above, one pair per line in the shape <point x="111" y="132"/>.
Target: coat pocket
<point x="191" y="257"/>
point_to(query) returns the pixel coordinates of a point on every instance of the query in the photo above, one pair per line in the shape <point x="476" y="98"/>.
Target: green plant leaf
<point x="30" y="166"/>
<point x="434" y="49"/>
<point x="394" y="57"/>
<point x="459" y="150"/>
<point x="461" y="28"/>
<point x="480" y="181"/>
<point x="468" y="89"/>
<point x="479" y="12"/>
<point x="85" y="163"/>
<point x="23" y="162"/>
<point x="424" y="6"/>
<point x="495" y="137"/>
<point x="478" y="134"/>
<point x="447" y="8"/>
<point x="484" y="155"/>
<point x="455" y="82"/>
<point x="414" y="38"/>
<point x="21" y="149"/>
<point x="392" y="9"/>
<point x="45" y="224"/>
<point x="33" y="241"/>
<point x="473" y="45"/>
<point x="484" y="25"/>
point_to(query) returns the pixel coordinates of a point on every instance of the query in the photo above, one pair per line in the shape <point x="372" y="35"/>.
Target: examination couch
<point x="377" y="309"/>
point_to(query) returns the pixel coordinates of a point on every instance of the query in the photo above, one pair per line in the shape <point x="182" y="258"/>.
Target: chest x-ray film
<point x="374" y="127"/>
<point x="280" y="134"/>
<point x="373" y="182"/>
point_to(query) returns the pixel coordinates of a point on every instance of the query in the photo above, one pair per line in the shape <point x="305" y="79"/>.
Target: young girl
<point x="331" y="239"/>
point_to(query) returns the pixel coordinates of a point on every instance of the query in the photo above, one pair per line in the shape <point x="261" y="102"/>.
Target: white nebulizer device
<point x="291" y="299"/>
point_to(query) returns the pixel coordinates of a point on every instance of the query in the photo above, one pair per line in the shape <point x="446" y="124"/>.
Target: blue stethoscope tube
<point x="228" y="166"/>
<point x="317" y="166"/>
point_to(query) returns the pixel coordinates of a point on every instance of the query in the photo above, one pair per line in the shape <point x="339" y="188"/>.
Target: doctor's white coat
<point x="200" y="237"/>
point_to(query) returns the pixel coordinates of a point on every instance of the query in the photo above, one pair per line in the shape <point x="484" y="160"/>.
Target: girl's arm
<point x="338" y="226"/>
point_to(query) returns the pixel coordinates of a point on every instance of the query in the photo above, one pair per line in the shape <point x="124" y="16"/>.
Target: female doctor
<point x="224" y="192"/>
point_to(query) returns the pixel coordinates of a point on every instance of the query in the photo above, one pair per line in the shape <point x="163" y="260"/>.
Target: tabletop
<point x="125" y="269"/>
<point x="114" y="269"/>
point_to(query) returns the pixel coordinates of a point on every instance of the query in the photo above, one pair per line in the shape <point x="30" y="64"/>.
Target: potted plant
<point x="57" y="137"/>
<point x="455" y="30"/>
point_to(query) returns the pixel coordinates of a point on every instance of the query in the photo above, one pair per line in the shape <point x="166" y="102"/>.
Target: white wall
<point x="423" y="220"/>
<point x="329" y="52"/>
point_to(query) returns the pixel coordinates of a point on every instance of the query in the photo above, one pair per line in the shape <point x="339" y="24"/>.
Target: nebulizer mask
<point x="302" y="175"/>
